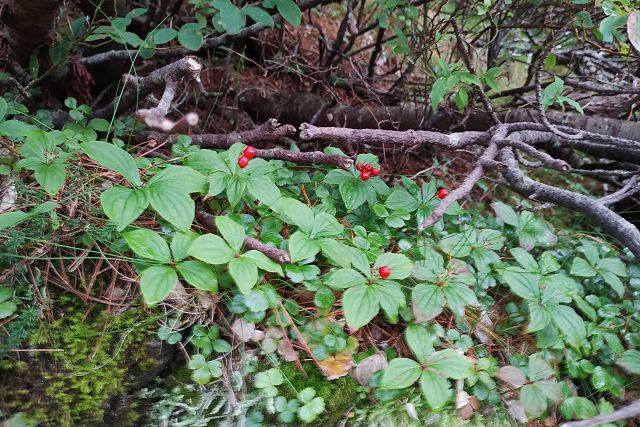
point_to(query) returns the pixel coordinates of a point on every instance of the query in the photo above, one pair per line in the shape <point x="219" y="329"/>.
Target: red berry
<point x="442" y="193"/>
<point x="375" y="171"/>
<point x="384" y="271"/>
<point x="368" y="167"/>
<point x="364" y="175"/>
<point x="359" y="167"/>
<point x="243" y="162"/>
<point x="249" y="152"/>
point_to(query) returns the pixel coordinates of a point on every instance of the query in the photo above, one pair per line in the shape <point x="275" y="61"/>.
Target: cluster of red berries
<point x="367" y="171"/>
<point x="442" y="193"/>
<point x="248" y="154"/>
<point x="384" y="271"/>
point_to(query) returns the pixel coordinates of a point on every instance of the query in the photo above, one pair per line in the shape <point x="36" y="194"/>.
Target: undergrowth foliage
<point x="485" y="305"/>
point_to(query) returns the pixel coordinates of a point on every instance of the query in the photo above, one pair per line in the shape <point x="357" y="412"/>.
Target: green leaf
<point x="264" y="262"/>
<point x="505" y="213"/>
<point x="114" y="158"/>
<point x="630" y="360"/>
<point x="123" y="205"/>
<point x="9" y="219"/>
<point x="180" y="178"/>
<point x="164" y="35"/>
<point x="569" y="324"/>
<point x="525" y="259"/>
<point x="270" y="378"/>
<point x="289" y="11"/>
<point x="175" y="206"/>
<point x="325" y="225"/>
<point x="337" y="253"/>
<point x="360" y="305"/>
<point x="231" y="18"/>
<point x="211" y="249"/>
<point x="577" y="407"/>
<point x="401" y="373"/>
<point x="533" y="400"/>
<point x="428" y="301"/>
<point x="148" y="244"/>
<point x="244" y="272"/>
<point x="581" y="267"/>
<point x="190" y="38"/>
<point x="259" y="15"/>
<point x="199" y="275"/>
<point x="297" y="213"/>
<point x="207" y="162"/>
<point x="400" y="199"/>
<point x="438" y="91"/>
<point x="345" y="278"/>
<point x="401" y="266"/>
<point x="3" y="108"/>
<point x="522" y="283"/>
<point x="15" y="129"/>
<point x="354" y="193"/>
<point x="613" y="266"/>
<point x="236" y="187"/>
<point x="302" y="246"/>
<point x="263" y="189"/>
<point x="156" y="283"/>
<point x="51" y="177"/>
<point x="457" y="245"/>
<point x="419" y="340"/>
<point x="181" y="243"/>
<point x="435" y="389"/>
<point x="539" y="369"/>
<point x="232" y="232"/>
<point x="450" y="364"/>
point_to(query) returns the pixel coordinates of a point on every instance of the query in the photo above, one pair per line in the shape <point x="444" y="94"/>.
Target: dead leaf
<point x="336" y="365"/>
<point x="246" y="331"/>
<point x="512" y="376"/>
<point x="369" y="366"/>
<point x="516" y="411"/>
<point x="484" y="328"/>
<point x="633" y="30"/>
<point x="285" y="348"/>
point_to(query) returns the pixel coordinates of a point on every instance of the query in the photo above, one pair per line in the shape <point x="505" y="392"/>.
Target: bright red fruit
<point x="384" y="271"/>
<point x="359" y="167"/>
<point x="243" y="162"/>
<point x="249" y="152"/>
<point x="442" y="193"/>
<point x="375" y="171"/>
<point x="364" y="175"/>
<point x="368" y="167"/>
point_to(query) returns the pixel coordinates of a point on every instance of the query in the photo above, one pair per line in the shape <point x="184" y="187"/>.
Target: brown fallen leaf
<point x="369" y="366"/>
<point x="336" y="365"/>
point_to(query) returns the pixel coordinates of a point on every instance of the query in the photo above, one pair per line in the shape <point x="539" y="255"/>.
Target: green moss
<point x="339" y="395"/>
<point x="73" y="386"/>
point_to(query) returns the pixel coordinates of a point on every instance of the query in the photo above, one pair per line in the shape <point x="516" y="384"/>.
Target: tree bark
<point x="298" y="108"/>
<point x="29" y="24"/>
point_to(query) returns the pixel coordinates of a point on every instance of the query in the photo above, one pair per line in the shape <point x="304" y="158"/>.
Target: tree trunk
<point x="29" y="24"/>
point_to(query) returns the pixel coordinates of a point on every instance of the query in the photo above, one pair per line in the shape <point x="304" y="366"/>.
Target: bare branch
<point x="630" y="411"/>
<point x="378" y="136"/>
<point x="166" y="77"/>
<point x="277" y="255"/>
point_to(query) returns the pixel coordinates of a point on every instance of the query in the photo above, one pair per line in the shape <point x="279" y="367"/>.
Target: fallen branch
<point x="378" y="136"/>
<point x="277" y="255"/>
<point x="269" y="131"/>
<point x="629" y="411"/>
<point x="163" y="78"/>
<point x="306" y="158"/>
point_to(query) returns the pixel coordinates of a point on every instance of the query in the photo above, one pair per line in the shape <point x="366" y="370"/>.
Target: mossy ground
<point x="74" y="386"/>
